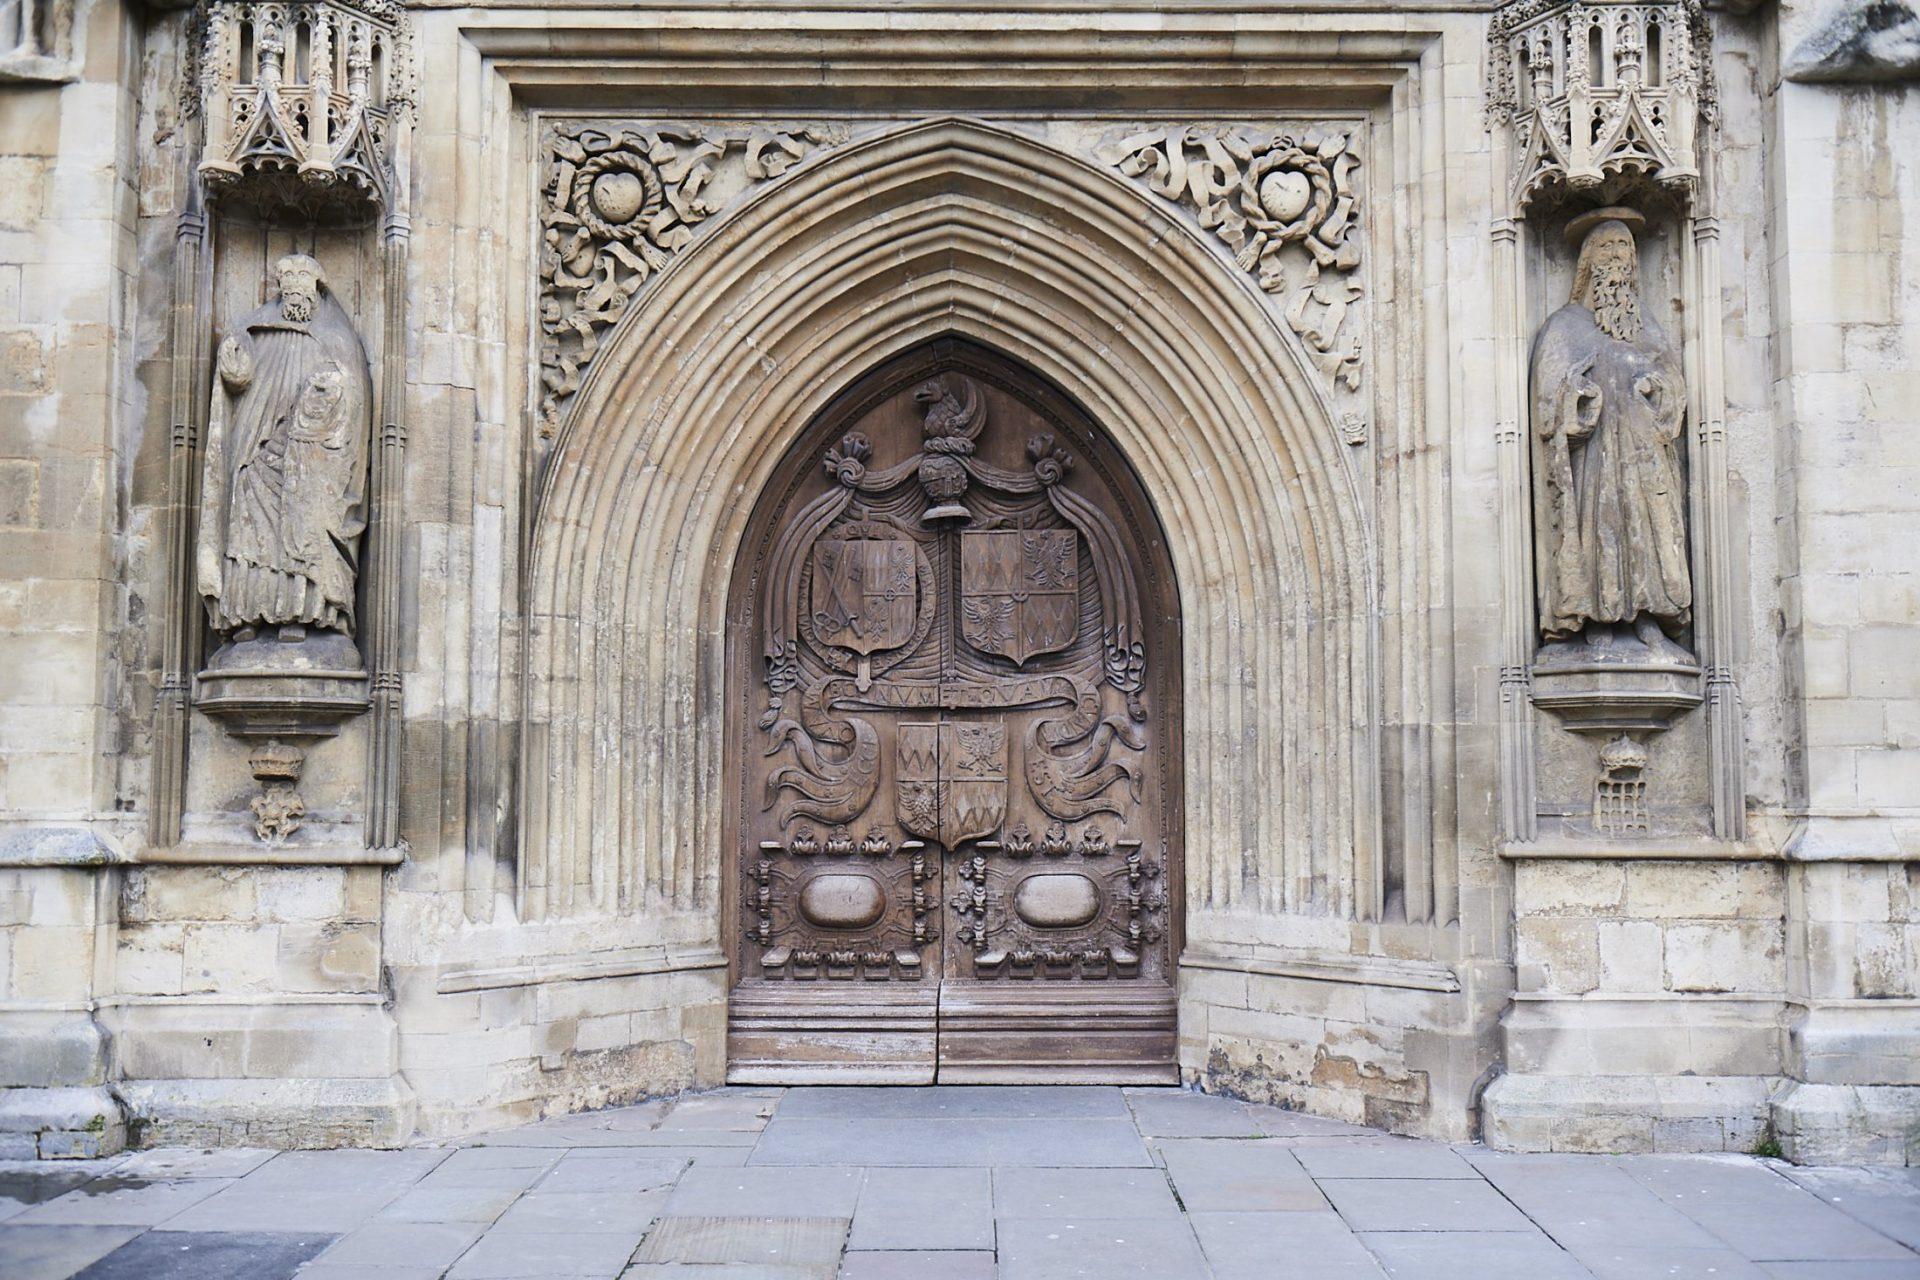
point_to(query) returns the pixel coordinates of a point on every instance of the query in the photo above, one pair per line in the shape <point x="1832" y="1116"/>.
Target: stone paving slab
<point x="967" y="1183"/>
<point x="923" y="1210"/>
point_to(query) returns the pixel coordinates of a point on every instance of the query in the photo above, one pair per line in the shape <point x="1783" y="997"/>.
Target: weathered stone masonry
<point x="1548" y="720"/>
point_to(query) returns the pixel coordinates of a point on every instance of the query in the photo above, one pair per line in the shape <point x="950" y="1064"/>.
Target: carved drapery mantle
<point x="1287" y="203"/>
<point x="618" y="203"/>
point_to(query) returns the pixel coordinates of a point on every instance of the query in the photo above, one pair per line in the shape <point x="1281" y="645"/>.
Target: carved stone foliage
<point x="1600" y="95"/>
<point x="1288" y="204"/>
<point x="617" y="204"/>
<point x="302" y="103"/>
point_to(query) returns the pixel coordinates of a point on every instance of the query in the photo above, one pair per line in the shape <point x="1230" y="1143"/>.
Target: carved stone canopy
<point x="1602" y="96"/>
<point x="302" y="103"/>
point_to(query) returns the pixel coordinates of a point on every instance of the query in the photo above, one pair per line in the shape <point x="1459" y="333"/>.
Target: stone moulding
<point x="943" y="227"/>
<point x="617" y="203"/>
<point x="1332" y="966"/>
<point x="1287" y="204"/>
<point x="582" y="966"/>
<point x="1655" y="850"/>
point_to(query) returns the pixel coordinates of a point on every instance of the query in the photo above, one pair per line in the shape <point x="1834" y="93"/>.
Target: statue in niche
<point x="1608" y="403"/>
<point x="284" y="495"/>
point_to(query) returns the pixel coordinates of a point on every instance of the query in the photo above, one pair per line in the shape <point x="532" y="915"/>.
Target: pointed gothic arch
<point x="944" y="227"/>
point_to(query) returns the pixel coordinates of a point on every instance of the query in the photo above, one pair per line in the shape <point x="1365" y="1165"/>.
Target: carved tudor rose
<point x="1287" y="204"/>
<point x="618" y="204"/>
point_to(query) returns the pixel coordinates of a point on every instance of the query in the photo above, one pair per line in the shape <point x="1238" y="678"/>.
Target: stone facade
<point x="1440" y="875"/>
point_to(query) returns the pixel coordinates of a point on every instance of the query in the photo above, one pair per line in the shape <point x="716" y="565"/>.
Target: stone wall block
<point x="328" y="957"/>
<point x="1745" y="956"/>
<point x="190" y="893"/>
<point x="231" y="957"/>
<point x="305" y="893"/>
<point x="151" y="959"/>
<point x="1340" y="1001"/>
<point x="361" y="893"/>
<point x="51" y="963"/>
<point x="1558" y="955"/>
<point x="1630" y="955"/>
<point x="1569" y="887"/>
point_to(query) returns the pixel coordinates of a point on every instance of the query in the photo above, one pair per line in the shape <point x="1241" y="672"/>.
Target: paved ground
<point x="950" y="1184"/>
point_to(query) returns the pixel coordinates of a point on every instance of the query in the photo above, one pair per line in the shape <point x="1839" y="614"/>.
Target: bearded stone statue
<point x="283" y="501"/>
<point x="1608" y="404"/>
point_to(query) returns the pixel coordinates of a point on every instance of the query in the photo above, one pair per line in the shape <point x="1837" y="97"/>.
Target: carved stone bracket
<point x="618" y="203"/>
<point x="1601" y="96"/>
<point x="1288" y="204"/>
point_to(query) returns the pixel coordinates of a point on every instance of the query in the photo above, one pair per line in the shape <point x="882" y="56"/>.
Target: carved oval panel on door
<point x="953" y="662"/>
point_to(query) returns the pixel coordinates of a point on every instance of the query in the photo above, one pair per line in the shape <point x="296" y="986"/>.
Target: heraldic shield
<point x="864" y="593"/>
<point x="1019" y="590"/>
<point x="952" y="780"/>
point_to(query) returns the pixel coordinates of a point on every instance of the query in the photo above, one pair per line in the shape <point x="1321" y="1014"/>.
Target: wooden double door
<point x="954" y="662"/>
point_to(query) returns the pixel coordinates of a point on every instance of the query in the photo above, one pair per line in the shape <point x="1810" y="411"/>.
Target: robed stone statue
<point x="283" y="501"/>
<point x="1608" y="404"/>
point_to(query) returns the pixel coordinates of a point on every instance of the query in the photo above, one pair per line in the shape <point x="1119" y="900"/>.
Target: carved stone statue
<point x="1608" y="403"/>
<point x="284" y="497"/>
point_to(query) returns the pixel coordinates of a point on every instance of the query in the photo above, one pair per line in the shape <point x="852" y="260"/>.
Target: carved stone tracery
<point x="1600" y="95"/>
<point x="300" y="101"/>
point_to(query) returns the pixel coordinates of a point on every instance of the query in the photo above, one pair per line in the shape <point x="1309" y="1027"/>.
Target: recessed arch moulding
<point x="942" y="228"/>
<point x="868" y="249"/>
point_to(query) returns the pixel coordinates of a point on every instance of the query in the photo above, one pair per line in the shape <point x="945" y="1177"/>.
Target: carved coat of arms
<point x="1019" y="591"/>
<point x="864" y="593"/>
<point x="952" y="780"/>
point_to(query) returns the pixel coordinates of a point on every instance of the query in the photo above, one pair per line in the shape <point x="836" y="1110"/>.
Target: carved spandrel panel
<point x="960" y="744"/>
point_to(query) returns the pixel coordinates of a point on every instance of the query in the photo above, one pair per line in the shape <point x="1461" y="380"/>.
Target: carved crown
<point x="1601" y="95"/>
<point x="304" y="102"/>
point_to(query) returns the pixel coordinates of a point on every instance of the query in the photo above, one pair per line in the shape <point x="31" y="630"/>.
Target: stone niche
<point x="1620" y="735"/>
<point x="250" y="1005"/>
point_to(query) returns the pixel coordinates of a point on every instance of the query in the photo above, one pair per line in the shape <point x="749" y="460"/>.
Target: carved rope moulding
<point x="618" y="202"/>
<point x="1287" y="203"/>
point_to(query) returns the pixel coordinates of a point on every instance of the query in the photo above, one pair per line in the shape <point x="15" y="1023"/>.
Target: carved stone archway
<point x="945" y="227"/>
